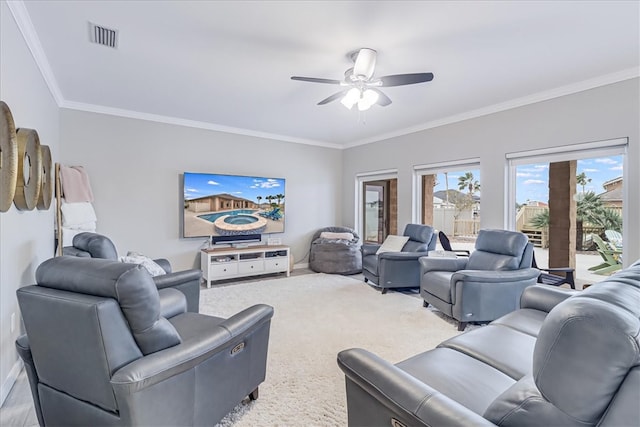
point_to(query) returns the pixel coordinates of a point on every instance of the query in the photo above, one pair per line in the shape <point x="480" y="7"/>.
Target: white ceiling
<point x="227" y="64"/>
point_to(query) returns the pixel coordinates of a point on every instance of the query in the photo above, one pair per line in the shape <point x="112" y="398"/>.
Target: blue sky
<point x="533" y="180"/>
<point x="248" y="187"/>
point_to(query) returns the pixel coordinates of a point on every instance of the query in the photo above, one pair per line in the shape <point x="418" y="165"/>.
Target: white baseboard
<point x="301" y="265"/>
<point x="10" y="381"/>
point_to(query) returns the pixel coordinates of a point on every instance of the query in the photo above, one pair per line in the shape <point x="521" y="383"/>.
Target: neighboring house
<point x="612" y="196"/>
<point x="219" y="202"/>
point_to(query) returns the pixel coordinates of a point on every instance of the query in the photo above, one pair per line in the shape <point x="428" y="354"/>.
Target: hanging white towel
<point x="75" y="214"/>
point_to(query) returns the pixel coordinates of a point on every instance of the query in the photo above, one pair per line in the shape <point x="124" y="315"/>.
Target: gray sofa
<point x="565" y="358"/>
<point x="94" y="245"/>
<point x="101" y="349"/>
<point x="335" y="256"/>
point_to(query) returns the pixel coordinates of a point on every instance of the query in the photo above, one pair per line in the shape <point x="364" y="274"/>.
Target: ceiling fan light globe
<point x="363" y="105"/>
<point x="370" y="96"/>
<point x="351" y="97"/>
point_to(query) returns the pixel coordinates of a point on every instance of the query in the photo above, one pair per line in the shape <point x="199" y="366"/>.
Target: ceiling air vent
<point x="103" y="36"/>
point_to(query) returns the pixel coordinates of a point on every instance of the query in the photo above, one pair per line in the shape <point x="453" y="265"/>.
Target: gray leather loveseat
<point x="101" y="349"/>
<point x="565" y="358"/>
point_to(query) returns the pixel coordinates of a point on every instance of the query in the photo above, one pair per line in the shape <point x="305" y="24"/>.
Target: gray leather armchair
<point x="98" y="350"/>
<point x="398" y="269"/>
<point x="565" y="358"/>
<point x="93" y="245"/>
<point x="484" y="286"/>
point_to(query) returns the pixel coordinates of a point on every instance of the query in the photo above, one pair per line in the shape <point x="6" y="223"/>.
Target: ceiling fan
<point x="361" y="87"/>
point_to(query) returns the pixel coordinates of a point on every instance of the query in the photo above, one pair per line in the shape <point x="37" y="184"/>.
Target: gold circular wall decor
<point x="46" y="187"/>
<point x="29" y="169"/>
<point x="8" y="157"/>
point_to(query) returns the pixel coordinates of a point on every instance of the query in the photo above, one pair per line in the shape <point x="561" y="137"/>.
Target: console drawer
<point x="248" y="267"/>
<point x="276" y="264"/>
<point x="223" y="269"/>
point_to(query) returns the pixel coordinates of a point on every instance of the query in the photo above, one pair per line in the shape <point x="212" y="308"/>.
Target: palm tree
<point x="259" y="198"/>
<point x="270" y="199"/>
<point x="466" y="182"/>
<point x="279" y="197"/>
<point x="582" y="180"/>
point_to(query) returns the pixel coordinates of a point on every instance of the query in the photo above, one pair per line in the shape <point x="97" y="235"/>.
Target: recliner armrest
<point x="172" y="279"/>
<point x="414" y="402"/>
<point x="544" y="297"/>
<point x="428" y="263"/>
<point x="156" y="367"/>
<point x="400" y="256"/>
<point x="369" y="249"/>
<point x="488" y="276"/>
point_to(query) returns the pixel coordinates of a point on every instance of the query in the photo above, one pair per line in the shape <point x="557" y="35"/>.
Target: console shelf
<point x="229" y="263"/>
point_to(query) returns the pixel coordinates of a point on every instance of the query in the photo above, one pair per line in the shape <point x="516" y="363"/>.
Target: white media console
<point x="229" y="263"/>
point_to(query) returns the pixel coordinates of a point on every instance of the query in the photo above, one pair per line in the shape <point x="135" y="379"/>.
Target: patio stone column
<point x="427" y="199"/>
<point x="562" y="214"/>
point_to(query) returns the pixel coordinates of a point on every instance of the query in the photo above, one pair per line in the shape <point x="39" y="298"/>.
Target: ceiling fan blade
<point x="405" y="79"/>
<point x="365" y="64"/>
<point x="383" y="100"/>
<point x="316" y="80"/>
<point x="332" y="97"/>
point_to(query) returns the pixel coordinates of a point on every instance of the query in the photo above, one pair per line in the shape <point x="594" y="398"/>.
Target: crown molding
<point x="24" y="23"/>
<point x="584" y="85"/>
<point x="92" y="108"/>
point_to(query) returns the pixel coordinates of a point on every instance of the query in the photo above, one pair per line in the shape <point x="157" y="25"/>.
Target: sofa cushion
<point x="497" y="250"/>
<point x="507" y="350"/>
<point x="525" y="320"/>
<point x="462" y="378"/>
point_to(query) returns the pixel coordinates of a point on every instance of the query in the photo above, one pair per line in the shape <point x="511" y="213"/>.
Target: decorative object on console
<point x="8" y="158"/>
<point x="232" y="205"/>
<point x="335" y="250"/>
<point x="398" y="269"/>
<point x="483" y="286"/>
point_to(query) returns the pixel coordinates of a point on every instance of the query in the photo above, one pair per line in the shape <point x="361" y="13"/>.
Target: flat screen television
<point x="232" y="207"/>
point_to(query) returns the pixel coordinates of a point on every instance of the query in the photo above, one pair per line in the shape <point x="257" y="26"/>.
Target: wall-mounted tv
<point x="232" y="205"/>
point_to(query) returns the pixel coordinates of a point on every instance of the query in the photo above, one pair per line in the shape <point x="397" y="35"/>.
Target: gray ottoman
<point x="333" y="251"/>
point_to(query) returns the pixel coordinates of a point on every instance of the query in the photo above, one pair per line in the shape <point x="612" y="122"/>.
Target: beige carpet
<point x="316" y="316"/>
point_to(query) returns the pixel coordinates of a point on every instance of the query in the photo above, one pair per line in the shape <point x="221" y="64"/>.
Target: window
<point x="563" y="197"/>
<point x="447" y="196"/>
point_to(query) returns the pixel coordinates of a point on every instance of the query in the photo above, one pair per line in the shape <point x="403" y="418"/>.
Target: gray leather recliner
<point x="565" y="358"/>
<point x="483" y="286"/>
<point x="99" y="351"/>
<point x="94" y="245"/>
<point x="399" y="269"/>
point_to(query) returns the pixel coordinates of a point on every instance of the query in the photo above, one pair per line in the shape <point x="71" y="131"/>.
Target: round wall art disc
<point x="46" y="188"/>
<point x="8" y="157"/>
<point x="29" y="169"/>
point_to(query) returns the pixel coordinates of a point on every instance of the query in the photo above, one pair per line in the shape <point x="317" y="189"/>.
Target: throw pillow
<point x="333" y="235"/>
<point x="393" y="243"/>
<point x="150" y="265"/>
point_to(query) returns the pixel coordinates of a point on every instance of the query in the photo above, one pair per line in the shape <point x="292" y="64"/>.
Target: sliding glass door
<point x="376" y="211"/>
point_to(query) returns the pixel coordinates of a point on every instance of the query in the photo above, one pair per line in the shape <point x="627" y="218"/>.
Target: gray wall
<point x="135" y="166"/>
<point x="26" y="238"/>
<point x="603" y="113"/>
